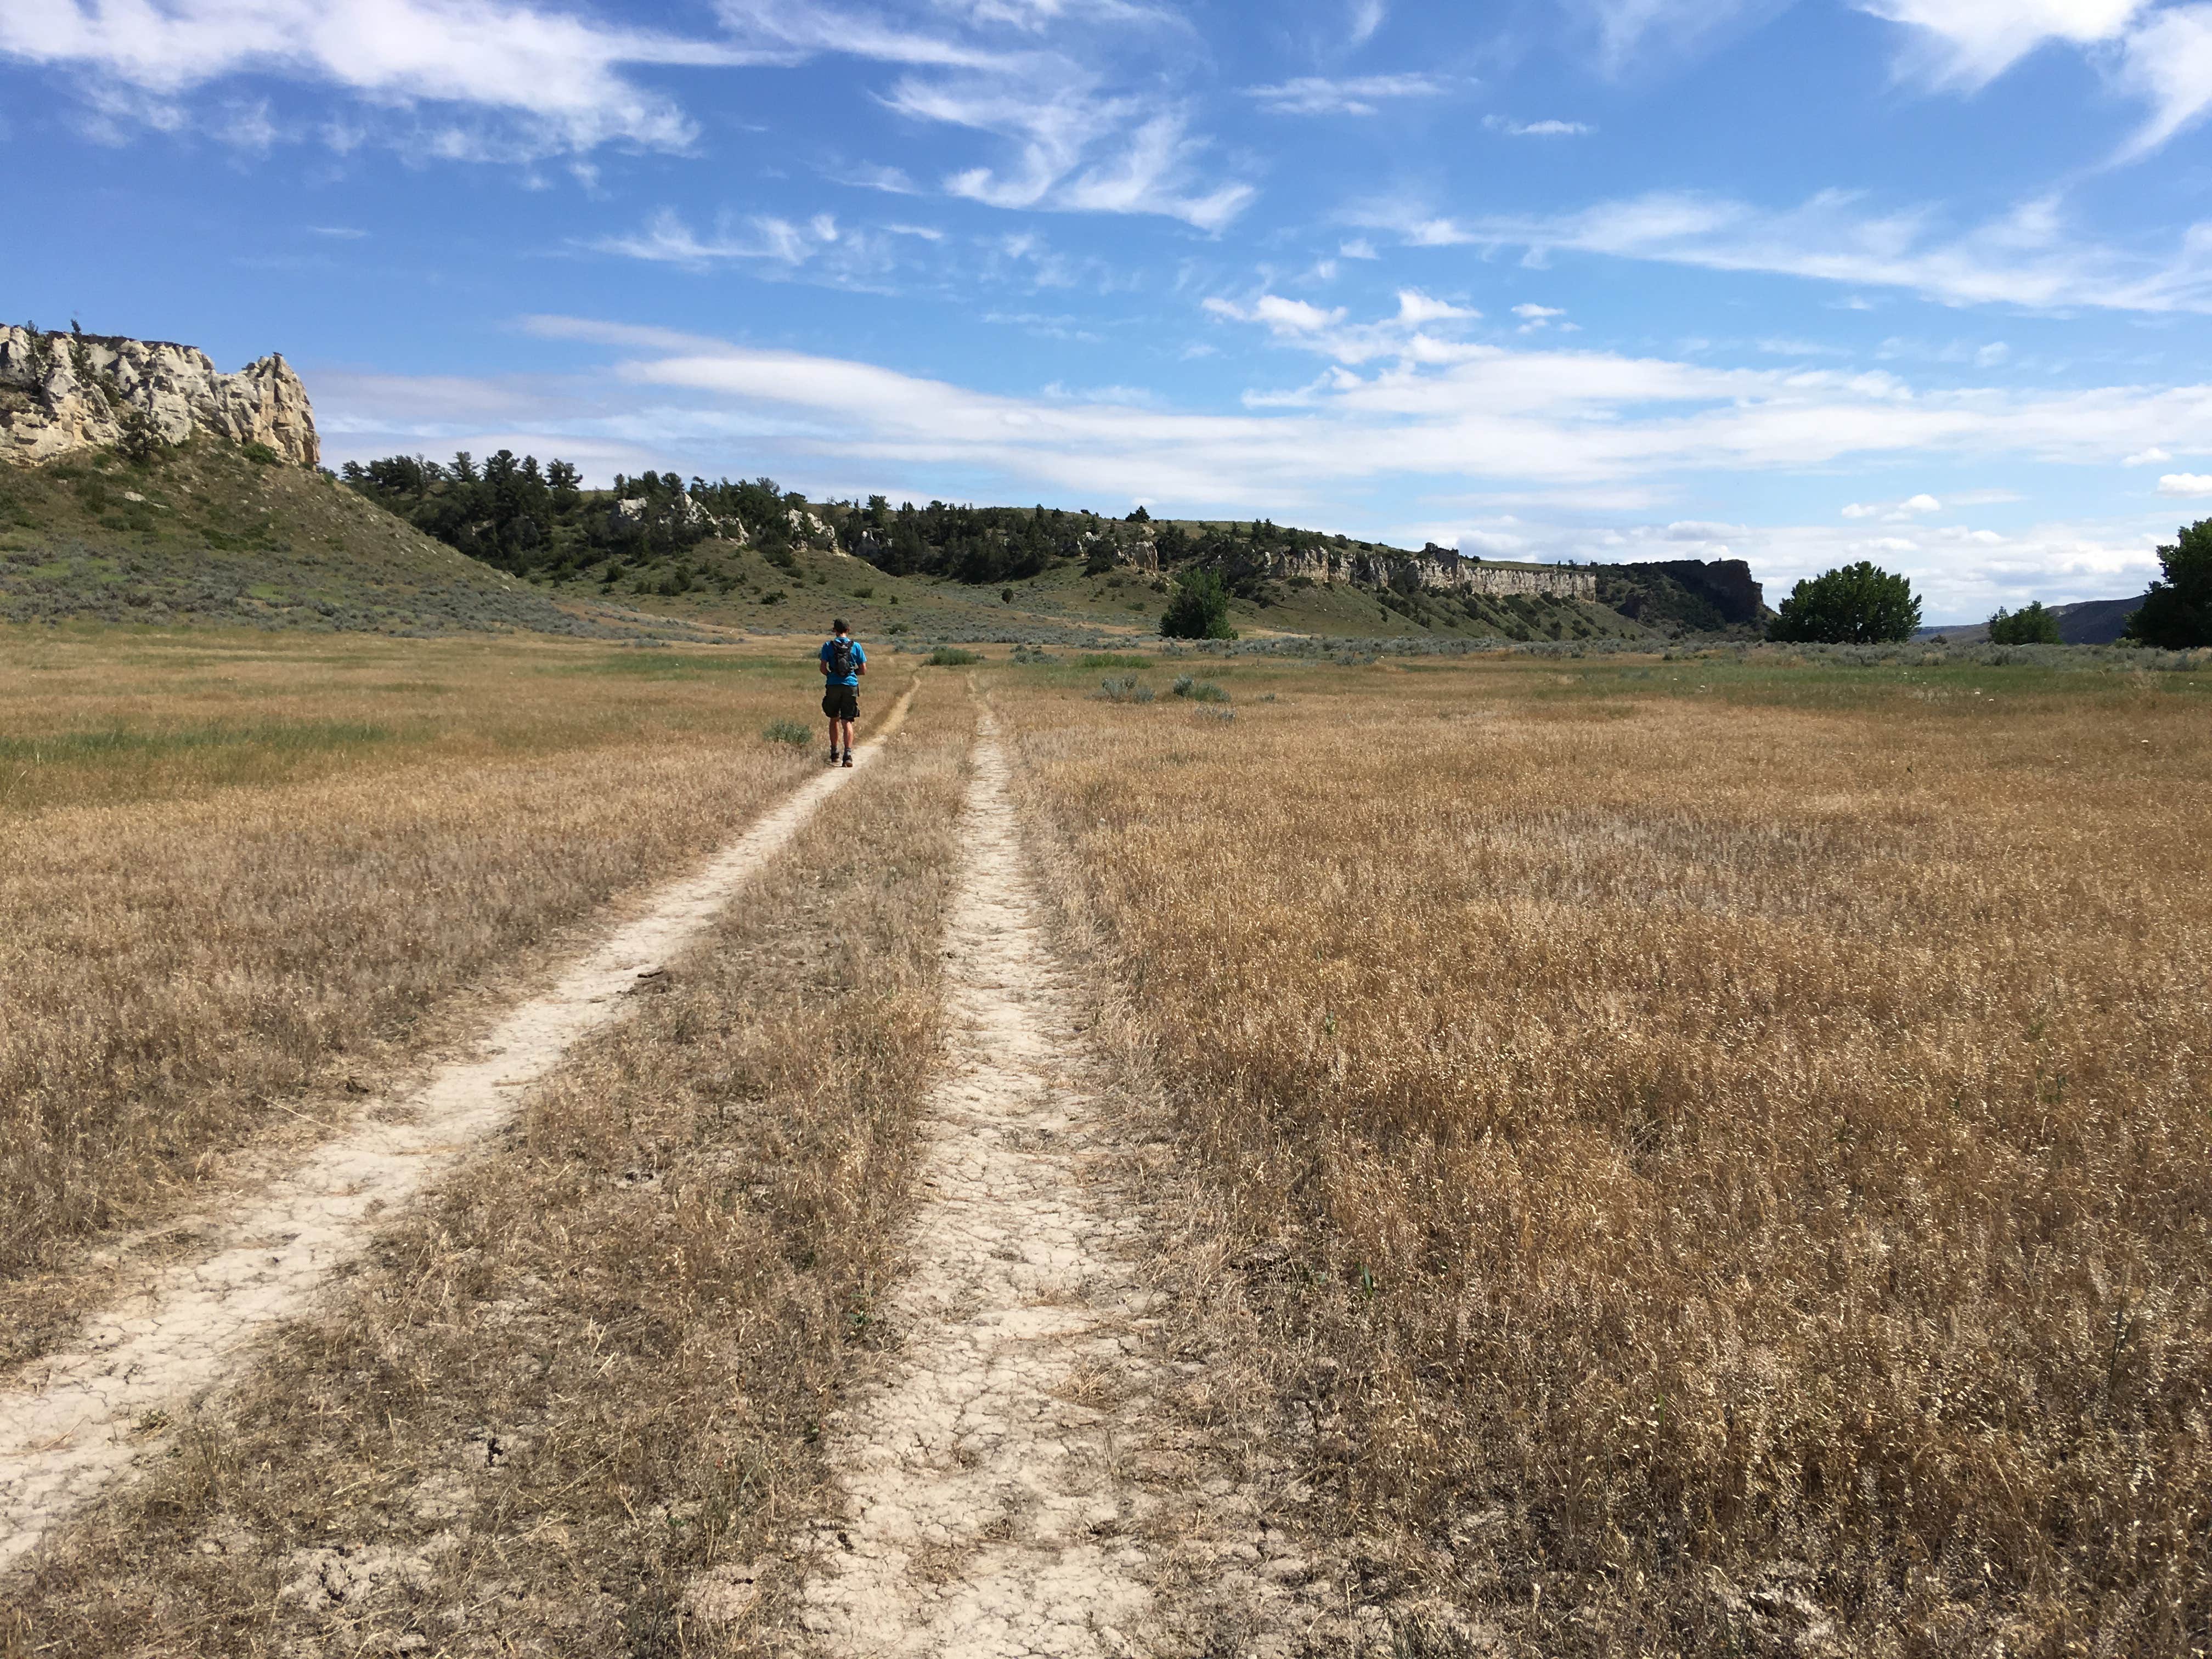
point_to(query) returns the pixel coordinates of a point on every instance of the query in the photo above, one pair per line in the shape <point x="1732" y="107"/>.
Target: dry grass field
<point x="243" y="877"/>
<point x="566" y="1406"/>
<point x="1708" y="1158"/>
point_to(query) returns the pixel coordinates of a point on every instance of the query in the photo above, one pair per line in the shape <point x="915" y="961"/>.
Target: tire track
<point x="75" y="1421"/>
<point x="993" y="1481"/>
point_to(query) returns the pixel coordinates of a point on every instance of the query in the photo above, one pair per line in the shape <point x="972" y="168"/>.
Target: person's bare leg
<point x="846" y="726"/>
<point x="833" y="736"/>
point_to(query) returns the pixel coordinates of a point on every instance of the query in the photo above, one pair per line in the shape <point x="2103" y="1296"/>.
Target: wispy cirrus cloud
<point x="2029" y="258"/>
<point x="1548" y="129"/>
<point x="1358" y="95"/>
<point x="556" y="82"/>
<point x="1969" y="43"/>
<point x="1078" y="150"/>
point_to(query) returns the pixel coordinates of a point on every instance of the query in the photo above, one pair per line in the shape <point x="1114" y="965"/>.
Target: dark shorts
<point x="842" y="703"/>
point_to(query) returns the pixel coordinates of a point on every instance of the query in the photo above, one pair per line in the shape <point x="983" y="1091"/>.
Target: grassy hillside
<point x="212" y="533"/>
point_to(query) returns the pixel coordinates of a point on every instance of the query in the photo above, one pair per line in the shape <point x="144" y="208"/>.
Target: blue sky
<point x="1922" y="281"/>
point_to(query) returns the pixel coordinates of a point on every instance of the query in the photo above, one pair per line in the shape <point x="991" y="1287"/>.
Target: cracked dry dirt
<point x="992" y="1504"/>
<point x="76" y="1420"/>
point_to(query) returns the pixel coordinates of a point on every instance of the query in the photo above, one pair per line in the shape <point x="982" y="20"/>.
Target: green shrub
<point x="1200" y="608"/>
<point x="261" y="454"/>
<point x="787" y="731"/>
<point x="1122" y="688"/>
<point x="1005" y="596"/>
<point x="950" y="656"/>
<point x="1854" y="605"/>
<point x="1108" y="660"/>
<point x="2032" y="624"/>
<point x="2177" y="614"/>
<point x="864" y="592"/>
<point x="1198" y="691"/>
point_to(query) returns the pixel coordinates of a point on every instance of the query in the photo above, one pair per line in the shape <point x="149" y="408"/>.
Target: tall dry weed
<point x="1711" y="1177"/>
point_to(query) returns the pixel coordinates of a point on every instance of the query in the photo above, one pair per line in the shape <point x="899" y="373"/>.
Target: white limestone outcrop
<point x="64" y="392"/>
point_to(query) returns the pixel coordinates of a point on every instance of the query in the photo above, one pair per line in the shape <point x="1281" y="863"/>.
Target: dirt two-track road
<point x="1009" y="1481"/>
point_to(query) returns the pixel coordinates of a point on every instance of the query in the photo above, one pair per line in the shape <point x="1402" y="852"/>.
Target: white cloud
<point x="1633" y="34"/>
<point x="892" y="181"/>
<point x="1969" y="43"/>
<point x="1910" y="507"/>
<point x="2027" y="257"/>
<point x="1537" y="128"/>
<point x="667" y="240"/>
<point x="1079" y="151"/>
<point x="341" y="233"/>
<point x="1366" y="17"/>
<point x="1579" y="432"/>
<point x="1358" y="248"/>
<point x="555" y="78"/>
<point x="1416" y="308"/>
<point x="2169" y="63"/>
<point x="1280" y="315"/>
<point x="2146" y="457"/>
<point x="1314" y="95"/>
<point x="2189" y="485"/>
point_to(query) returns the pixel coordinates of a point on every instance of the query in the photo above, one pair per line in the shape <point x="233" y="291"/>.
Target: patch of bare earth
<point x="83" y="1416"/>
<point x="1022" y="1481"/>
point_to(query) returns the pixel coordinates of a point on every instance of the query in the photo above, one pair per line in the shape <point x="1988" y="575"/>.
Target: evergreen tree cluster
<point x="510" y="513"/>
<point x="978" y="544"/>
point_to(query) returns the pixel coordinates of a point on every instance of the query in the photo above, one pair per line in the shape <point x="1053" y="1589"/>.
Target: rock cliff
<point x="63" y="393"/>
<point x="1437" y="570"/>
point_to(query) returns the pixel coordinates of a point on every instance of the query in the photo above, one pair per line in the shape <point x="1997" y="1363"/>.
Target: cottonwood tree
<point x="1854" y="605"/>
<point x="2177" y="613"/>
<point x="2032" y="624"/>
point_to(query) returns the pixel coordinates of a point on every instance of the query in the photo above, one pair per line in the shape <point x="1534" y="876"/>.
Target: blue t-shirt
<point x="859" y="657"/>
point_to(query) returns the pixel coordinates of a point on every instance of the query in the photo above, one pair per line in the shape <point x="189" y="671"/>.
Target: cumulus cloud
<point x="2029" y="257"/>
<point x="2146" y="457"/>
<point x="2187" y="485"/>
<point x="1364" y="95"/>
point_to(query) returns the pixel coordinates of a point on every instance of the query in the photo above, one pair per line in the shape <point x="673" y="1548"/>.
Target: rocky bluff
<point x="63" y="393"/>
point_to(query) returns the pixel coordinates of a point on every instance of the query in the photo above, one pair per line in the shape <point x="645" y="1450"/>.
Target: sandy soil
<point x="78" y="1418"/>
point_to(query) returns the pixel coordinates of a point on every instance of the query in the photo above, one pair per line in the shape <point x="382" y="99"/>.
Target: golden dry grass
<point x="239" y="876"/>
<point x="597" y="1367"/>
<point x="1715" y="1159"/>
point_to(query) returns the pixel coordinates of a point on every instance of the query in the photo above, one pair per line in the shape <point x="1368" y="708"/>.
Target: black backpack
<point x="840" y="660"/>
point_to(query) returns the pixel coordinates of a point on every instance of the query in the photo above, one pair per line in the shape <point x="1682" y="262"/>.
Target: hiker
<point x="843" y="662"/>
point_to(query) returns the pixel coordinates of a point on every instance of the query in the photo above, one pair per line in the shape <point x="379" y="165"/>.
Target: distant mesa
<point x="64" y="392"/>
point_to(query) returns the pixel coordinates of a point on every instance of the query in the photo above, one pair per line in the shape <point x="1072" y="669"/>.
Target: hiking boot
<point x="832" y="754"/>
<point x="848" y="758"/>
